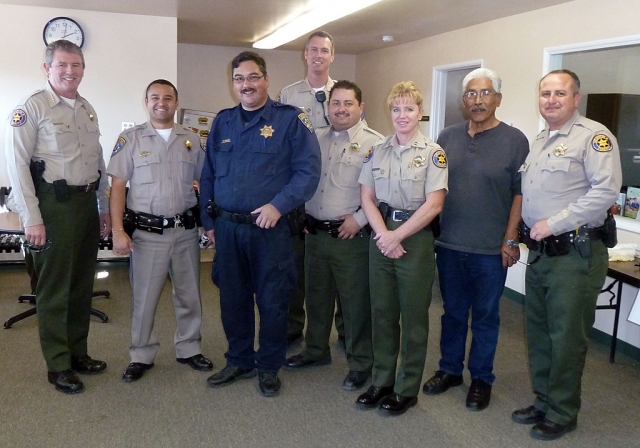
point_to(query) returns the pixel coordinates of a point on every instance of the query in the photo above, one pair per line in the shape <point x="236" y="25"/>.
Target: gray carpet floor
<point x="173" y="407"/>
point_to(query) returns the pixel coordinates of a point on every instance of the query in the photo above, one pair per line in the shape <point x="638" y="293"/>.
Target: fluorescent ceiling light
<point x="329" y="11"/>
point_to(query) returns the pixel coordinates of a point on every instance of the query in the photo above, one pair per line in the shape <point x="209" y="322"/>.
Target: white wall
<point x="513" y="46"/>
<point x="123" y="53"/>
<point x="204" y="73"/>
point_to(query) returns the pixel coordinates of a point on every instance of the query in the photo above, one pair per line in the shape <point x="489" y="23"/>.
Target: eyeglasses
<point x="472" y="94"/>
<point x="33" y="248"/>
<point x="251" y="78"/>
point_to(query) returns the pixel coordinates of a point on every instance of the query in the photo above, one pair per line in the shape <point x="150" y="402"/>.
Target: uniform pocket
<point x="414" y="180"/>
<point x="554" y="175"/>
<point x="147" y="168"/>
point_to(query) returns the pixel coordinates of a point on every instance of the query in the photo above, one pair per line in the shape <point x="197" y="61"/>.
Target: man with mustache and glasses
<point x="484" y="183"/>
<point x="337" y="245"/>
<point x="570" y="179"/>
<point x="311" y="95"/>
<point x="262" y="162"/>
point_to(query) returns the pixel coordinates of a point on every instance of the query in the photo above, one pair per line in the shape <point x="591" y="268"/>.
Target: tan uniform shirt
<point x="160" y="173"/>
<point x="571" y="178"/>
<point x="402" y="177"/>
<point x="302" y="95"/>
<point x="343" y="153"/>
<point x="45" y="127"/>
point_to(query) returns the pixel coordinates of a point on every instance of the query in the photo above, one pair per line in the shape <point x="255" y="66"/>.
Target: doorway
<point x="446" y="95"/>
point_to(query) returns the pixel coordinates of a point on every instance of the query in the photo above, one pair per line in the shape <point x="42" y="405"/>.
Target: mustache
<point x="248" y="90"/>
<point x="478" y="109"/>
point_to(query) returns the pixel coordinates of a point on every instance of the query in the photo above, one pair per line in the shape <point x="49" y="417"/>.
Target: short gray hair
<point x="61" y="45"/>
<point x="480" y="73"/>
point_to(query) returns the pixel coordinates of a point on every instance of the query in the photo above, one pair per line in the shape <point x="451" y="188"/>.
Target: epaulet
<point x="292" y="85"/>
<point x="376" y="133"/>
<point x="31" y="95"/>
<point x="133" y="129"/>
<point x="194" y="130"/>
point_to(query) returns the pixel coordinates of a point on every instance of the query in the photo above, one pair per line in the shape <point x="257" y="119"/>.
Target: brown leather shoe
<point x="66" y="381"/>
<point x="373" y="395"/>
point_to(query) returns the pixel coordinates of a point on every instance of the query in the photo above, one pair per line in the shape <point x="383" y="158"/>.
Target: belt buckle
<point x="394" y="216"/>
<point x="177" y="221"/>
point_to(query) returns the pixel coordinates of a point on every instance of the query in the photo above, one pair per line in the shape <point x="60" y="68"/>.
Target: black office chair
<point x="10" y="242"/>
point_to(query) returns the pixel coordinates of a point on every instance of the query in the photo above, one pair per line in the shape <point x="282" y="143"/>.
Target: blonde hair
<point x="405" y="89"/>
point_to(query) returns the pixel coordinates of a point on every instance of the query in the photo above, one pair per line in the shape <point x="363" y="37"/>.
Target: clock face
<point x="63" y="28"/>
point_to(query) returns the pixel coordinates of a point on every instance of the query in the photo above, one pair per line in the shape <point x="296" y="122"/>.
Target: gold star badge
<point x="266" y="131"/>
<point x="354" y="146"/>
<point x="419" y="161"/>
<point x="187" y="143"/>
<point x="559" y="150"/>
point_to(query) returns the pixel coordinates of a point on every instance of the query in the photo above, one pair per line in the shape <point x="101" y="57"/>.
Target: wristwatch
<point x="512" y="243"/>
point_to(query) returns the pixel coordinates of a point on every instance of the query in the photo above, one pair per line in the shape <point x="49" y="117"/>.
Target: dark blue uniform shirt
<point x="275" y="158"/>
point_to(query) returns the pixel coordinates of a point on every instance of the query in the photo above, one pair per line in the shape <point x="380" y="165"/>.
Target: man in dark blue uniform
<point x="263" y="161"/>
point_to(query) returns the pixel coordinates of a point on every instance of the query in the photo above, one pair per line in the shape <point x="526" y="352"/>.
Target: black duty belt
<point x="396" y="214"/>
<point x="554" y="245"/>
<point x="325" y="226"/>
<point x="238" y="218"/>
<point x="93" y="186"/>
<point x="156" y="224"/>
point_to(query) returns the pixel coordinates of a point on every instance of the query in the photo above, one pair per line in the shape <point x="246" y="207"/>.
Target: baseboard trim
<point x="622" y="347"/>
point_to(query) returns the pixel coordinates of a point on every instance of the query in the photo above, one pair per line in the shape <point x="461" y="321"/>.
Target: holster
<point x="296" y="219"/>
<point x="36" y="168"/>
<point x="609" y="230"/>
<point x="129" y="222"/>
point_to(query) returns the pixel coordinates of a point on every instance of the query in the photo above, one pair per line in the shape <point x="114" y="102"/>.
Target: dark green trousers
<point x="65" y="274"/>
<point x="560" y="305"/>
<point x="334" y="265"/>
<point x="400" y="299"/>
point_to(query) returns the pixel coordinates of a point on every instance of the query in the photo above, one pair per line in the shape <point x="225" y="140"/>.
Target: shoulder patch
<point x="305" y="121"/>
<point x="369" y="155"/>
<point x="601" y="143"/>
<point x="439" y="159"/>
<point x="18" y="118"/>
<point x="119" y="145"/>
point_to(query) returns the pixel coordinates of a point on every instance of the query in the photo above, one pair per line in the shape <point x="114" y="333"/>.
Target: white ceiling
<point x="239" y="23"/>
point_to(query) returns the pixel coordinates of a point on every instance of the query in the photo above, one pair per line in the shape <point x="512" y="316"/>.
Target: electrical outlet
<point x="127" y="125"/>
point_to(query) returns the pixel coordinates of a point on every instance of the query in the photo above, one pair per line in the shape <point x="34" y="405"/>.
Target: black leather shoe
<point x="371" y="398"/>
<point x="355" y="380"/>
<point x="396" y="404"/>
<point x="298" y="361"/>
<point x="528" y="416"/>
<point x="228" y="375"/>
<point x="197" y="362"/>
<point x="441" y="382"/>
<point x="84" y="364"/>
<point x="269" y="383"/>
<point x="66" y="381"/>
<point x="135" y="371"/>
<point x="479" y="395"/>
<point x="547" y="430"/>
<point x="294" y="338"/>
